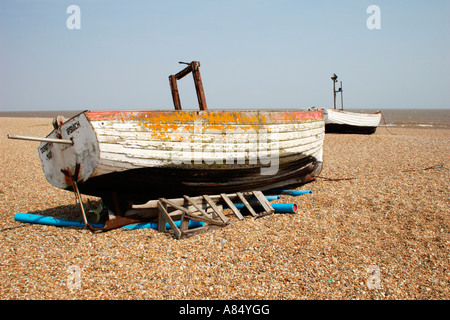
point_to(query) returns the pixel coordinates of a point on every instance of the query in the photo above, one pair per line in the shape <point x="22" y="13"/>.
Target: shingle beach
<point x="376" y="226"/>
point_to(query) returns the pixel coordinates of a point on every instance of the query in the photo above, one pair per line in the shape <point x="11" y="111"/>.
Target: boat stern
<point x="79" y="158"/>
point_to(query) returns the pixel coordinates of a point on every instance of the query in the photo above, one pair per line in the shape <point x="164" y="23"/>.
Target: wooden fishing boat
<point x="130" y="157"/>
<point x="142" y="155"/>
<point x="340" y="121"/>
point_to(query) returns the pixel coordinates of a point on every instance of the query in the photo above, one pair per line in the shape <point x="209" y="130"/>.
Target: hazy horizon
<point x="254" y="54"/>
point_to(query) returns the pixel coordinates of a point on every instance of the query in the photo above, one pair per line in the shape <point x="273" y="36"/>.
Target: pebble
<point x="395" y="222"/>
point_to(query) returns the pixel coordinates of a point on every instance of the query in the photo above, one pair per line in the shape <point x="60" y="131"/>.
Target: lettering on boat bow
<point x="73" y="127"/>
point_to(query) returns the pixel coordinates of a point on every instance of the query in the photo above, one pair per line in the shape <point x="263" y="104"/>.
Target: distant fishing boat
<point x="340" y="121"/>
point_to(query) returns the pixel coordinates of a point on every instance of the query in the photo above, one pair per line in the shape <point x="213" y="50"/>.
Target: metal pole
<point x="14" y="136"/>
<point x="342" y="98"/>
<point x="334" y="93"/>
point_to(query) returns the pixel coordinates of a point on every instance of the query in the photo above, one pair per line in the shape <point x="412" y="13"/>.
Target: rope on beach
<point x="437" y="167"/>
<point x="15" y="227"/>
<point x="385" y="124"/>
<point x="334" y="180"/>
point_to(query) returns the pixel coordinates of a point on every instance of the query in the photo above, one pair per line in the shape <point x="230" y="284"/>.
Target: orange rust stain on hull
<point x="210" y="117"/>
<point x="161" y="124"/>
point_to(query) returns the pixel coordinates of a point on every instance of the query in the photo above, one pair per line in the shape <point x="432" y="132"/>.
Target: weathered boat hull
<point x="339" y="121"/>
<point x="176" y="182"/>
<point x="142" y="155"/>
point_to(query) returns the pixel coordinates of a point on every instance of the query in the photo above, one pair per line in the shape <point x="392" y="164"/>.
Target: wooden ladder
<point x="262" y="201"/>
<point x="192" y="208"/>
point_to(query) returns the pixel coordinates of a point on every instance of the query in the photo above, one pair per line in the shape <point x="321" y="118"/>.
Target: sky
<point x="254" y="54"/>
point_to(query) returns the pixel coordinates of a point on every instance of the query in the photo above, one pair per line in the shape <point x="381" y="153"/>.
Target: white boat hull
<point x="351" y="122"/>
<point x="158" y="153"/>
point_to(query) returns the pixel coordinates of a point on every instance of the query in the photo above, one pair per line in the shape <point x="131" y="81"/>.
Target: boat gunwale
<point x="223" y="116"/>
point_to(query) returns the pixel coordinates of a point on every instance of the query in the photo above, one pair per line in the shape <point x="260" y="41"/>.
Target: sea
<point x="420" y="118"/>
<point x="425" y="118"/>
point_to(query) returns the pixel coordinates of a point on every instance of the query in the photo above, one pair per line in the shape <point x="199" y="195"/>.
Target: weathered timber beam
<point x="216" y="210"/>
<point x="246" y="204"/>
<point x="232" y="206"/>
<point x="181" y="201"/>
<point x="164" y="217"/>
<point x="175" y="93"/>
<point x="184" y="72"/>
<point x="199" y="85"/>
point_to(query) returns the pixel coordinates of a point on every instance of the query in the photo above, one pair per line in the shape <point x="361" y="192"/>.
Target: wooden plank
<point x="180" y="201"/>
<point x="197" y="206"/>
<point x="183" y="231"/>
<point x="232" y="206"/>
<point x="198" y="85"/>
<point x="246" y="204"/>
<point x="163" y="211"/>
<point x="149" y="213"/>
<point x="216" y="210"/>
<point x="175" y="93"/>
<point x="187" y="212"/>
<point x="173" y="204"/>
<point x="184" y="224"/>
<point x="264" y="202"/>
<point x="184" y="72"/>
<point x="186" y="215"/>
<point x="199" y="230"/>
<point x="263" y="214"/>
<point x="161" y="218"/>
<point x="206" y="220"/>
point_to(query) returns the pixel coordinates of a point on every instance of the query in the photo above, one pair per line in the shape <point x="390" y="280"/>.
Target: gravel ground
<point x="383" y="233"/>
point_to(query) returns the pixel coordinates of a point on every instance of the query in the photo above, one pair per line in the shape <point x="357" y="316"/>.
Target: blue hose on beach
<point x="278" y="207"/>
<point x="269" y="198"/>
<point x="61" y="222"/>
<point x="294" y="193"/>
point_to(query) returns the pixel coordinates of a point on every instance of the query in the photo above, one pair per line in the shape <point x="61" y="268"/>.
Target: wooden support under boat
<point x="182" y="201"/>
<point x="246" y="204"/>
<point x="232" y="206"/>
<point x="216" y="220"/>
<point x="183" y="210"/>
<point x="110" y="224"/>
